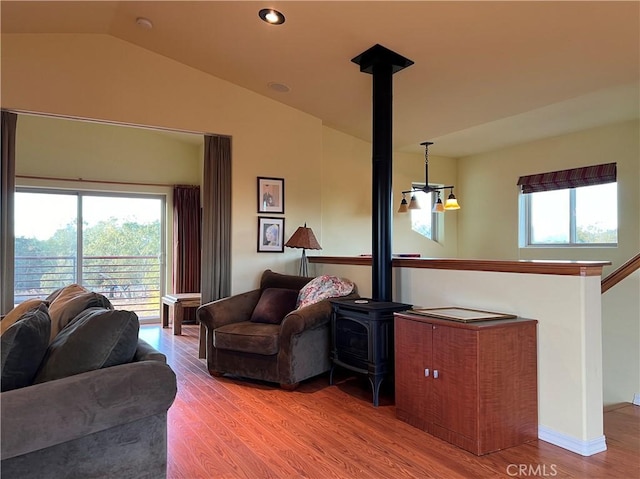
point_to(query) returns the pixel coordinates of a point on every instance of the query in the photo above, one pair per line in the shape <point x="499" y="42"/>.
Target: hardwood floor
<point x="226" y="428"/>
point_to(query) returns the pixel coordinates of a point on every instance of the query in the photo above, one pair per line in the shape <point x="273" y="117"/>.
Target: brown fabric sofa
<point x="90" y="403"/>
<point x="106" y="423"/>
<point x="285" y="353"/>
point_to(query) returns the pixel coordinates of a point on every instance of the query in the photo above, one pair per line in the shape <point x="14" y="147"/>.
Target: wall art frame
<point x="270" y="195"/>
<point x="270" y="234"/>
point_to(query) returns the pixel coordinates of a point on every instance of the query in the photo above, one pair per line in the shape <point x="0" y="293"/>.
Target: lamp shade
<point x="303" y="238"/>
<point x="438" y="207"/>
<point x="404" y="206"/>
<point x="413" y="204"/>
<point x="452" y="203"/>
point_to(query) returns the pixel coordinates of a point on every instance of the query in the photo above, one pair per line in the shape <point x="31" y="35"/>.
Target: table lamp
<point x="305" y="239"/>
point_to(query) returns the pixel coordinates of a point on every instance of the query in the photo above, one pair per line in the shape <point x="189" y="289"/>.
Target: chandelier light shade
<point x="438" y="206"/>
<point x="404" y="206"/>
<point x="452" y="202"/>
<point x="305" y="239"/>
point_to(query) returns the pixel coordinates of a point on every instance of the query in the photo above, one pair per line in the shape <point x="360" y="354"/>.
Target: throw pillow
<point x="324" y="287"/>
<point x="16" y="313"/>
<point x="22" y="348"/>
<point x="274" y="304"/>
<point x="97" y="338"/>
<point x="68" y="302"/>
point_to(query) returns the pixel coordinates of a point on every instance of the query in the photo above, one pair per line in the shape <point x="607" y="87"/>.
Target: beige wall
<point x="490" y="179"/>
<point x="63" y="75"/>
<point x="621" y="341"/>
<point x="327" y="173"/>
<point x="60" y="148"/>
<point x="55" y="147"/>
<point x="103" y="78"/>
<point x="346" y="202"/>
<point x="346" y="199"/>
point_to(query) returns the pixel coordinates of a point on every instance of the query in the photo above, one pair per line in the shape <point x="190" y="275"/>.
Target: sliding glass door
<point x="111" y="244"/>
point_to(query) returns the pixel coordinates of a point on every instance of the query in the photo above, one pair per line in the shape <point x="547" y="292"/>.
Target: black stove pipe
<point x="382" y="63"/>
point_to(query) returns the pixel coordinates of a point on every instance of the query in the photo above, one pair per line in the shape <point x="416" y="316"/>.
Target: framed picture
<point x="270" y="195"/>
<point x="270" y="235"/>
<point x="464" y="315"/>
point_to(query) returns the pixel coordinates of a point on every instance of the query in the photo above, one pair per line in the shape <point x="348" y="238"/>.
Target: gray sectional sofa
<point x="96" y="405"/>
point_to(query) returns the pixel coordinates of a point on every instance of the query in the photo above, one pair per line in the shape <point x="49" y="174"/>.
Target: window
<point x="576" y="207"/>
<point x="424" y="221"/>
<point x="110" y="244"/>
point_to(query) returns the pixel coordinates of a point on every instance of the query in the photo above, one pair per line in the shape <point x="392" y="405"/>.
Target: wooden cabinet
<point x="471" y="384"/>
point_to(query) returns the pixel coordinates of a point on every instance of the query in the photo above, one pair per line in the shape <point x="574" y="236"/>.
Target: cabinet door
<point x="455" y="389"/>
<point x="412" y="356"/>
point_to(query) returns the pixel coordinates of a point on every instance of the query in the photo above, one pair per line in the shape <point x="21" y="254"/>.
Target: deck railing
<point x="130" y="282"/>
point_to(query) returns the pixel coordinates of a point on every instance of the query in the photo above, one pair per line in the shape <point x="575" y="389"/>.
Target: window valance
<point x="573" y="178"/>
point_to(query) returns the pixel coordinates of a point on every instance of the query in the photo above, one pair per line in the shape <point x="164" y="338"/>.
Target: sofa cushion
<point x="248" y="337"/>
<point x="22" y="348"/>
<point x="96" y="338"/>
<point x="274" y="304"/>
<point x="270" y="279"/>
<point x="324" y="287"/>
<point x="16" y="313"/>
<point x="68" y="302"/>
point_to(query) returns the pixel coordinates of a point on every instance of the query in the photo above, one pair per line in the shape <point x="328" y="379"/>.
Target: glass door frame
<point x="79" y="194"/>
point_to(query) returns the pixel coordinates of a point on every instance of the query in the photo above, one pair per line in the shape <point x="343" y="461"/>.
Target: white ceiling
<point x="486" y="74"/>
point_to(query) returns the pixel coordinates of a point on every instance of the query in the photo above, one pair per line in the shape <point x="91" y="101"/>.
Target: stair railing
<point x="621" y="273"/>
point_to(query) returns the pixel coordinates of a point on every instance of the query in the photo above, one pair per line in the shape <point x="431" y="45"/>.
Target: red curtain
<point x="186" y="242"/>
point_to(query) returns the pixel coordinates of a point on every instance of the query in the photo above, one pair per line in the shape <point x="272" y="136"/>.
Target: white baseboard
<point x="584" y="448"/>
<point x="636" y="399"/>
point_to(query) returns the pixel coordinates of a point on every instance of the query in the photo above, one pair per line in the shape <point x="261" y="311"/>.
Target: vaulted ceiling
<point x="486" y="74"/>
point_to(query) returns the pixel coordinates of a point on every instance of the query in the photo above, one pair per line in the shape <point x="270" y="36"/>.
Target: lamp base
<point x="304" y="265"/>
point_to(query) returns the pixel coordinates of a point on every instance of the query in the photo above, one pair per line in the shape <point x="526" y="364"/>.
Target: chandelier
<point x="438" y="207"/>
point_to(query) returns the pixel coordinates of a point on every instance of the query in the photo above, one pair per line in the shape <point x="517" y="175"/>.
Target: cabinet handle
<point x="435" y="374"/>
<point x="426" y="373"/>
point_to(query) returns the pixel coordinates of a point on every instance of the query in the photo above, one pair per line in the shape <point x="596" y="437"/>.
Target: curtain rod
<point x="113" y="123"/>
<point x="82" y="180"/>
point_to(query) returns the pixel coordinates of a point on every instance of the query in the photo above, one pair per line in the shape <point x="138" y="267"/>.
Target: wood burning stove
<point x="362" y="338"/>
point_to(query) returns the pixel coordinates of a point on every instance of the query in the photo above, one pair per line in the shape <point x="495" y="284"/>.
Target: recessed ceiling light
<point x="271" y="16"/>
<point x="279" y="87"/>
<point x="144" y="23"/>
